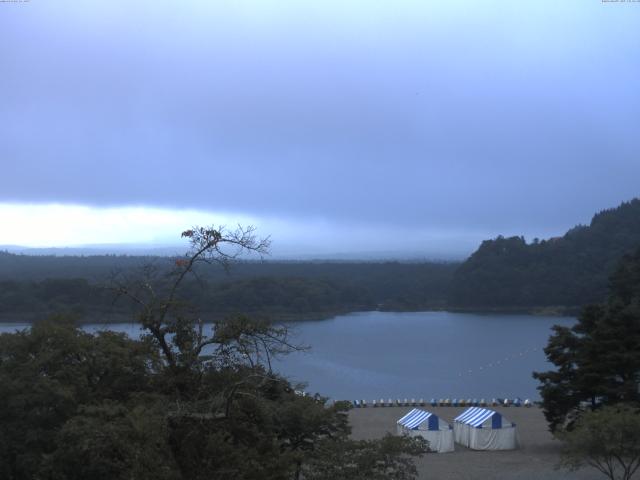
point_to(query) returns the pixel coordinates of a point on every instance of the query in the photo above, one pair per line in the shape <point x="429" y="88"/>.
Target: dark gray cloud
<point x="445" y="116"/>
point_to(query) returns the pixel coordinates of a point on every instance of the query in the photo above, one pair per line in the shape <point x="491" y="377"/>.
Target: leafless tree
<point x="176" y="326"/>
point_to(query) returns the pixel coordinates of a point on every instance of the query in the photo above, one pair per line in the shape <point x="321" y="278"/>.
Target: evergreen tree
<point x="598" y="359"/>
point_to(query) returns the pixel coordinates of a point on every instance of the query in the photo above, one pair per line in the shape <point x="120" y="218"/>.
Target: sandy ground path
<point x="536" y="458"/>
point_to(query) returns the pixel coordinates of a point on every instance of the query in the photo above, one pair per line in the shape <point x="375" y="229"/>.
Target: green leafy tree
<point x="607" y="439"/>
<point x="385" y="459"/>
<point x="48" y="373"/>
<point x="113" y="441"/>
<point x="181" y="403"/>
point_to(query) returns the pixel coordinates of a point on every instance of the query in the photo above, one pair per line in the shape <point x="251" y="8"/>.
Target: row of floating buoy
<point x="496" y="402"/>
<point x="497" y="363"/>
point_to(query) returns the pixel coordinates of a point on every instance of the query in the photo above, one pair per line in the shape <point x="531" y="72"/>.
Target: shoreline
<point x="121" y="317"/>
<point x="537" y="457"/>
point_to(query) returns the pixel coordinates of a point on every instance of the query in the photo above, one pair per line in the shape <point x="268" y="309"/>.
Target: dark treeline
<point x="503" y="274"/>
<point x="95" y="268"/>
<point x="567" y="271"/>
<point x="32" y="286"/>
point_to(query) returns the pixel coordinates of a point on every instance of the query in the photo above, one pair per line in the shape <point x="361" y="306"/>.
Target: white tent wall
<point x="461" y="433"/>
<point x="493" y="439"/>
<point x="482" y="429"/>
<point x="440" y="441"/>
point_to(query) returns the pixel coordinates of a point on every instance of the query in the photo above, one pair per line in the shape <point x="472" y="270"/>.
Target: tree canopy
<point x="607" y="439"/>
<point x="179" y="403"/>
<point x="598" y="359"/>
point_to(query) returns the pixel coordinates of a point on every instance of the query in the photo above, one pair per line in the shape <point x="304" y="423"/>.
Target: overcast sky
<point x="416" y="127"/>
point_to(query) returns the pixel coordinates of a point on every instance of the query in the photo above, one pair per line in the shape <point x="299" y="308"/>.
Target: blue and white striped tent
<point x="476" y="416"/>
<point x="436" y="431"/>
<point x="483" y="429"/>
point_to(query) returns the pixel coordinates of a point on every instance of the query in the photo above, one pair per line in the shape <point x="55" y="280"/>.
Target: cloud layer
<point x="410" y="116"/>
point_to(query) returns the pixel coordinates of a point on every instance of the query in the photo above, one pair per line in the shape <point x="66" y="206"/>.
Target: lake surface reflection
<point x="370" y="355"/>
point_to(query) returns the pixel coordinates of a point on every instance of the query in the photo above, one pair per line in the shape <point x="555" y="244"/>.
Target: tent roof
<point x="414" y="418"/>
<point x="475" y="416"/>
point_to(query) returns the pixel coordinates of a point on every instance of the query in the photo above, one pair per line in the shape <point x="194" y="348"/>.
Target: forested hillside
<point x="566" y="271"/>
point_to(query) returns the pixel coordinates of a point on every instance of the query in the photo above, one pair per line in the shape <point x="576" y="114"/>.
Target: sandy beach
<point x="536" y="458"/>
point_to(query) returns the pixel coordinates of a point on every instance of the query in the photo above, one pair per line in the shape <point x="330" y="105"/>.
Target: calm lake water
<point x="371" y="355"/>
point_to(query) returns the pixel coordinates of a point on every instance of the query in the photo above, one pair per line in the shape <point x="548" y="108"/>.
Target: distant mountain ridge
<point x="571" y="270"/>
<point x="95" y="250"/>
<point x="142" y="250"/>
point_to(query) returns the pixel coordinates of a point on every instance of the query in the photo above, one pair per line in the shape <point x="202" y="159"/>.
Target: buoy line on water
<point x="498" y="363"/>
